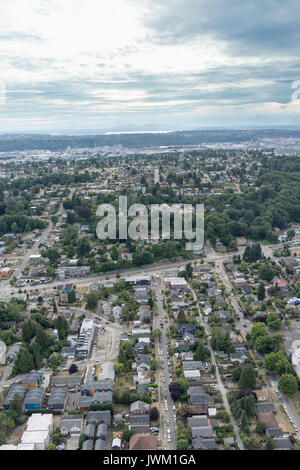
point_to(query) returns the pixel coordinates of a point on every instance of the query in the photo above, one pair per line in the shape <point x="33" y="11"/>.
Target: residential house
<point x="19" y="389"/>
<point x="68" y="352"/>
<point x="71" y="425"/>
<point x="90" y="430"/>
<point x="282" y="443"/>
<point x="57" y="399"/>
<point x="34" y="399"/>
<point x="143" y="362"/>
<point x="204" y="444"/>
<point x="102" y="431"/>
<point x="264" y="407"/>
<point x="107" y="372"/>
<point x="98" y="417"/>
<point x="88" y="445"/>
<point x="67" y="381"/>
<point x="143" y="442"/>
<point x="187" y="356"/>
<point x="181" y="329"/>
<point x="268" y="418"/>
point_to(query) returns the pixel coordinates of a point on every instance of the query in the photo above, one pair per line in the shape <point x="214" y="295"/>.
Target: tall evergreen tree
<point x="247" y="379"/>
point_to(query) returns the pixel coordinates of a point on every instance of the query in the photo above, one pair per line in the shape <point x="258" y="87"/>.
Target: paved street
<point x="271" y="383"/>
<point x="221" y="387"/>
<point x="168" y="432"/>
<point x="7" y="291"/>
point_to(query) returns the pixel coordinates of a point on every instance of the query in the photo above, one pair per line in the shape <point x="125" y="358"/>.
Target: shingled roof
<point x="143" y="442"/>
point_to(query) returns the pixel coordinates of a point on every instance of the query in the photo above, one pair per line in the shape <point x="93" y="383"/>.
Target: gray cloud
<point x="259" y="27"/>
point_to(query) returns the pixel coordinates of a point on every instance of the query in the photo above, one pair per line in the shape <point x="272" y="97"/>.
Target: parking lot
<point x="291" y="333"/>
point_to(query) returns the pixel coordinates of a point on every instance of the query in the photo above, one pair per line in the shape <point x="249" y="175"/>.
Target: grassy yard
<point x="124" y="381"/>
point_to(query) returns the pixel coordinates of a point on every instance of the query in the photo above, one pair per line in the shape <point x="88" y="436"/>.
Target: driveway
<point x="72" y="443"/>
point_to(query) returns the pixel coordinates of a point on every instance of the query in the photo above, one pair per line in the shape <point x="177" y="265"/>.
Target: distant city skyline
<point x="146" y="65"/>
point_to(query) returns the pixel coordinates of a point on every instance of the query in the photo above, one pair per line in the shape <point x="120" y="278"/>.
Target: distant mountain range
<point x="59" y="142"/>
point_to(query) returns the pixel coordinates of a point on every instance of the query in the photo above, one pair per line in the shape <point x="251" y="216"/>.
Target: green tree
<point x="83" y="248"/>
<point x="189" y="270"/>
<point x="36" y="356"/>
<point x="201" y="354"/>
<point x="290" y="234"/>
<point x="247" y="379"/>
<point x="220" y="339"/>
<point x="28" y="330"/>
<point x="252" y="253"/>
<point x="55" y="361"/>
<point x="288" y="384"/>
<point x="182" y="444"/>
<point x="114" y="253"/>
<point x="72" y="296"/>
<point x="82" y="438"/>
<point x="244" y="423"/>
<point x="260" y="428"/>
<point x="258" y="329"/>
<point x="267" y="344"/>
<point x="57" y="437"/>
<point x="277" y="362"/>
<point x="261" y="292"/>
<point x="53" y="255"/>
<point x="183" y="384"/>
<point x="50" y="447"/>
<point x="16" y="404"/>
<point x="236" y="373"/>
<point x="43" y="339"/>
<point x="62" y="327"/>
<point x="269" y="443"/>
<point x="184" y="411"/>
<point x="92" y="300"/>
<point x="273" y="321"/>
<point x="156" y="334"/>
<point x="14" y="227"/>
<point x="126" y="434"/>
<point x="266" y="272"/>
<point x="252" y="443"/>
<point x="24" y="362"/>
<point x="54" y="306"/>
<point x="181" y="317"/>
<point x="126" y="352"/>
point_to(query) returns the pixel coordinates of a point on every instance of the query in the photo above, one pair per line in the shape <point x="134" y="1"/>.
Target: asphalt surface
<point x="164" y="384"/>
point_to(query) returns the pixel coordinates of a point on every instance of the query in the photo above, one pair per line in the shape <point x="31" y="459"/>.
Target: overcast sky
<point x="147" y="64"/>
